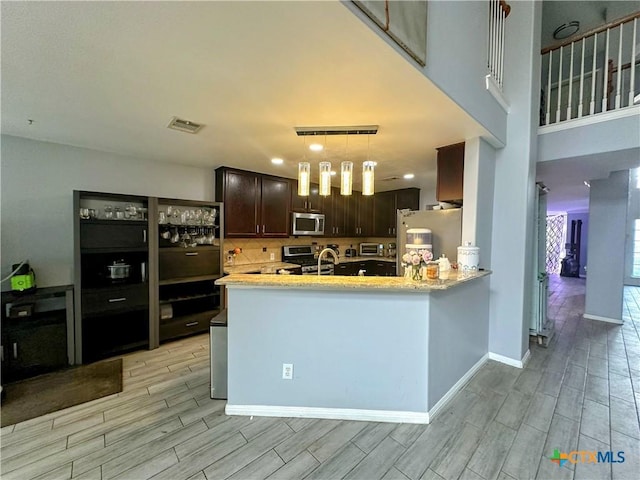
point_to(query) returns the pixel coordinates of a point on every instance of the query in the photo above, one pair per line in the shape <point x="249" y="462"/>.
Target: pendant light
<point x="304" y="177"/>
<point x="368" y="174"/>
<point x="304" y="174"/>
<point x="346" y="173"/>
<point x="325" y="179"/>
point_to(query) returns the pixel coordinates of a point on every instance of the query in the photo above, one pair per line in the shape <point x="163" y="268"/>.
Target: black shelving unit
<point x="189" y="261"/>
<point x="112" y="314"/>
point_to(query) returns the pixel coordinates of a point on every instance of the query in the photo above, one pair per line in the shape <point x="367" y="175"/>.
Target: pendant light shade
<point x="346" y="178"/>
<point x="325" y="178"/>
<point x="304" y="177"/>
<point x="367" y="177"/>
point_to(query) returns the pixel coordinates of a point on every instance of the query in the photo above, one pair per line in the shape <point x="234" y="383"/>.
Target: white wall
<point x="514" y="199"/>
<point x="37" y="183"/>
<point x="608" y="199"/>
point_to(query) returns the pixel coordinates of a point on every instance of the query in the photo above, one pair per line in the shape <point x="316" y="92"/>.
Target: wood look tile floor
<point x="583" y="392"/>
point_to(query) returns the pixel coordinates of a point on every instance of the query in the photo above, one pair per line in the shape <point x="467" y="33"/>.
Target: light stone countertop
<point x="264" y="267"/>
<point x="344" y="259"/>
<point x="331" y="282"/>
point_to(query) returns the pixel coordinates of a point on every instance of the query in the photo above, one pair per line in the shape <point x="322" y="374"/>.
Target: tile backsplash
<point x="259" y="250"/>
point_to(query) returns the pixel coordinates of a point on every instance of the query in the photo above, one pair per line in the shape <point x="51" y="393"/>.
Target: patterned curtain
<point x="556" y="236"/>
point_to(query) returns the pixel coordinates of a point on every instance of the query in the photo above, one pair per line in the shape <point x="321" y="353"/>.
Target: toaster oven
<point x="371" y="249"/>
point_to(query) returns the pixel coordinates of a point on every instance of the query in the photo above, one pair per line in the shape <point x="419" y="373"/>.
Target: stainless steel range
<point x="304" y="256"/>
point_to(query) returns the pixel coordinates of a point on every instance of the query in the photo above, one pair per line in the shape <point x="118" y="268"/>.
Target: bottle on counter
<point x="444" y="267"/>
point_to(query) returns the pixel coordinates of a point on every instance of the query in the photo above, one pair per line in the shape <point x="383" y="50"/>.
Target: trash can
<point x="218" y="355"/>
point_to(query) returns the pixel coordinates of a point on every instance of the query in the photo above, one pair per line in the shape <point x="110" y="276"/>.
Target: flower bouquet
<point x="413" y="262"/>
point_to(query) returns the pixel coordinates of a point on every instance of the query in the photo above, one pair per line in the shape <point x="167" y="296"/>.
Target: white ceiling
<point x="111" y="75"/>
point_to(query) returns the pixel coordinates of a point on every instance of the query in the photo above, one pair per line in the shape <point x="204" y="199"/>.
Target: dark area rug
<point x="51" y="392"/>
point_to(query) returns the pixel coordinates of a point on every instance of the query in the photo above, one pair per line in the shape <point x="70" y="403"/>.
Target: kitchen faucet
<point x="333" y="254"/>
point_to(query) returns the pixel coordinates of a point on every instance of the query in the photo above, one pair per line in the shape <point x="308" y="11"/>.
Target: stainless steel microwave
<point x="307" y="224"/>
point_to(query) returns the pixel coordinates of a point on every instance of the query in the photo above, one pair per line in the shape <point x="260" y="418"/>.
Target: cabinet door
<point x="408" y="198"/>
<point x="113" y="234"/>
<point x="311" y="203"/>
<point x="384" y="214"/>
<point x="241" y="203"/>
<point x="364" y="226"/>
<point x="351" y="215"/>
<point x="275" y="207"/>
<point x="36" y="349"/>
<point x="450" y="173"/>
<point x="339" y="212"/>
<point x="188" y="262"/>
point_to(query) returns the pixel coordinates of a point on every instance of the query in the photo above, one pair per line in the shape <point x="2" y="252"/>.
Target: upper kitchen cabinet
<point x="359" y="212"/>
<point x="450" y="175"/>
<point x="255" y="205"/>
<point x="385" y="205"/>
<point x="312" y="203"/>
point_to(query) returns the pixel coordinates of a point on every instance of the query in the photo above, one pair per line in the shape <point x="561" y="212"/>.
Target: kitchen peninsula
<point x="360" y="348"/>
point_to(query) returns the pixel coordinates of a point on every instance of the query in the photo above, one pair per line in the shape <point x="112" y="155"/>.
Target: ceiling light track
<point x="354" y="130"/>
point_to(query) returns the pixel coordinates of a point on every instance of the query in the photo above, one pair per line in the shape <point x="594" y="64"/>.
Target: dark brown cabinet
<point x="255" y="205"/>
<point x="371" y="268"/>
<point x="34" y="332"/>
<point x="312" y="203"/>
<point x="111" y="304"/>
<point x="189" y="262"/>
<point x="450" y="174"/>
<point x="385" y="206"/>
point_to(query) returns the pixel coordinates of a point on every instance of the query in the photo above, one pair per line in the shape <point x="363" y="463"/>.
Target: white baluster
<point x="570" y="83"/>
<point x="493" y="39"/>
<point x="548" y="116"/>
<point x="633" y="63"/>
<point x="605" y="86"/>
<point x="581" y="81"/>
<point x="559" y="86"/>
<point x="502" y="18"/>
<point x="619" y="79"/>
<point x="592" y="104"/>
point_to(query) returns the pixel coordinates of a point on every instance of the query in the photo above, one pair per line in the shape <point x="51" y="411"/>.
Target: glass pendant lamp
<point x="325" y="179"/>
<point x="368" y="177"/>
<point x="304" y="177"/>
<point x="346" y="178"/>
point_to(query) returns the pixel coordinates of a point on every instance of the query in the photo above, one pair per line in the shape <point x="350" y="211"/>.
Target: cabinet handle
<point x="191" y="324"/>
<point x="119" y="299"/>
<point x="191" y="254"/>
<point x="2" y="353"/>
<point x="15" y="350"/>
<point x="264" y="229"/>
<point x="144" y="236"/>
<point x="257" y="228"/>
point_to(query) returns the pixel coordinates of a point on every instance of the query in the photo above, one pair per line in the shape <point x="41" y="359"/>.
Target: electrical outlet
<point x="272" y="256"/>
<point x="287" y="371"/>
<point x="264" y="249"/>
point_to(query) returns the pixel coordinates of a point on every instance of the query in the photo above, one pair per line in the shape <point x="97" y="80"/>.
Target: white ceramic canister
<point x="468" y="258"/>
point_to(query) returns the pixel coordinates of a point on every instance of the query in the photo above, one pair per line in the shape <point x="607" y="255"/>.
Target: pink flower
<point x="427" y="256"/>
<point x="415" y="259"/>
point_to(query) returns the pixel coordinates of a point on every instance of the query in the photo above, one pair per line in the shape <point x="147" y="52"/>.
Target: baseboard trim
<point x="457" y="387"/>
<point x="329" y="413"/>
<point x="617" y="321"/>
<point x="510" y="361"/>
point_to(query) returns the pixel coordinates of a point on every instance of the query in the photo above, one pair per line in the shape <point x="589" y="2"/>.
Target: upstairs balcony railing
<point x="591" y="74"/>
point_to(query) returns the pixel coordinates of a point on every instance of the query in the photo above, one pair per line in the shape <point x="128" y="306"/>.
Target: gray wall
<point x="350" y="349"/>
<point x="584" y="237"/>
<point x="514" y="200"/>
<point x="608" y="199"/>
<point x="486" y="187"/>
<point x="603" y="137"/>
<point x="38" y="179"/>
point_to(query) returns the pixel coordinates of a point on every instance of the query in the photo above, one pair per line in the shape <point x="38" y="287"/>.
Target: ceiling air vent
<point x="184" y="125"/>
<point x="388" y="179"/>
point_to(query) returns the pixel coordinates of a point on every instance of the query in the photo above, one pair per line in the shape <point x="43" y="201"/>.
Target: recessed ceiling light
<point x="333" y="172"/>
<point x="277" y="161"/>
<point x="316" y="147"/>
<point x="408" y="176"/>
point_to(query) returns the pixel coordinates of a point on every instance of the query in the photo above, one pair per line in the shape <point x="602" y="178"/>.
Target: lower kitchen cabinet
<point x="371" y="268"/>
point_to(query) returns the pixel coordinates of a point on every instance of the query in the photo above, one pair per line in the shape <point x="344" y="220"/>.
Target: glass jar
<point x="432" y="270"/>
